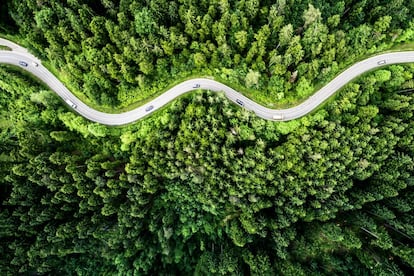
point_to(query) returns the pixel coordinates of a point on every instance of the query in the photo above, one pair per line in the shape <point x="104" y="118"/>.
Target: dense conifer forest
<point x="204" y="187"/>
<point x="116" y="53"/>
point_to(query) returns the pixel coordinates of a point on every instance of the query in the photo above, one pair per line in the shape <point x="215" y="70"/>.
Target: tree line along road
<point x="19" y="56"/>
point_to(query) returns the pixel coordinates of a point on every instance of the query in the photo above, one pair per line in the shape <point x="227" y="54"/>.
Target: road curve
<point x="35" y="67"/>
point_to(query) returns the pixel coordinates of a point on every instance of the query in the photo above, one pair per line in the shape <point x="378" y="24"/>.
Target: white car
<point x="382" y="62"/>
<point x="70" y="103"/>
<point x="278" y="117"/>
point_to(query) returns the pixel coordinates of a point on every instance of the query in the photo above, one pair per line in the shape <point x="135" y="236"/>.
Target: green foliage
<point x="203" y="187"/>
<point x="144" y="22"/>
<point x="207" y="188"/>
<point x="120" y="53"/>
<point x="252" y="79"/>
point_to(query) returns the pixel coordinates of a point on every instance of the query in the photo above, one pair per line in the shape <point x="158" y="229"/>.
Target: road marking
<point x="20" y="54"/>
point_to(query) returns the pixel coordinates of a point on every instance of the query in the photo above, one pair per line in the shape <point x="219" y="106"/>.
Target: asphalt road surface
<point x="34" y="66"/>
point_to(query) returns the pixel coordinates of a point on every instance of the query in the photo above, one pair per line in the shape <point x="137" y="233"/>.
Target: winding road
<point x="18" y="54"/>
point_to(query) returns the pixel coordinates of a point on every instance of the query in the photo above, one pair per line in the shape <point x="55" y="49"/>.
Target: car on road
<point x="35" y="64"/>
<point x="197" y="85"/>
<point x="382" y="62"/>
<point x="70" y="103"/>
<point x="239" y="102"/>
<point x="149" y="108"/>
<point x="278" y="117"/>
<point x="23" y="63"/>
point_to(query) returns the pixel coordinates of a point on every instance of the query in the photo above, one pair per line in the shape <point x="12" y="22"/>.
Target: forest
<point x="203" y="187"/>
<point x="116" y="53"/>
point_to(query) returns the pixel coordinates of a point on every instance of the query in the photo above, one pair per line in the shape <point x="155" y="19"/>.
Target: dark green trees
<point x="204" y="187"/>
<point x="120" y="53"/>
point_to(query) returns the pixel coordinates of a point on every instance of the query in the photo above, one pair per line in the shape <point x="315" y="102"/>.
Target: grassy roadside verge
<point x="255" y="95"/>
<point x="398" y="47"/>
<point x="5" y="48"/>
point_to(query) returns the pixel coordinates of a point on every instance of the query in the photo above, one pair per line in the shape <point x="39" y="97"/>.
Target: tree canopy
<point x="208" y="188"/>
<point x="202" y="186"/>
<point x="119" y="52"/>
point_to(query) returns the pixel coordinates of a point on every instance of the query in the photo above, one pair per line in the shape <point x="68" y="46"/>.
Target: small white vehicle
<point x="239" y="102"/>
<point x="278" y="117"/>
<point x="382" y="62"/>
<point x="197" y="85"/>
<point x="70" y="103"/>
<point x="35" y="64"/>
